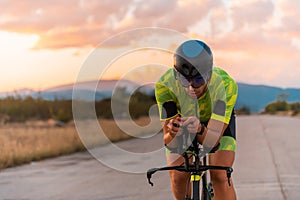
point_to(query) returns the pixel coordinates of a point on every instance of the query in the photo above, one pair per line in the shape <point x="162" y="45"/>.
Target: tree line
<point x="283" y="106"/>
<point x="273" y="108"/>
<point x="18" y="109"/>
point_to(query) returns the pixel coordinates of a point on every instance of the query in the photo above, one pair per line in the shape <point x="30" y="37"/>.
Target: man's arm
<point x="212" y="133"/>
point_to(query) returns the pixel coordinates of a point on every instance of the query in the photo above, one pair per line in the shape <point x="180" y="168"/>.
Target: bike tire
<point x="207" y="192"/>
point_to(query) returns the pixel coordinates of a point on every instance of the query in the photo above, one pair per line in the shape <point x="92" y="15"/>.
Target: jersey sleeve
<point x="223" y="106"/>
<point x="166" y="102"/>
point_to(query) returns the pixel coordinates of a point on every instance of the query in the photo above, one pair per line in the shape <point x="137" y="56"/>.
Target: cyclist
<point x="200" y="97"/>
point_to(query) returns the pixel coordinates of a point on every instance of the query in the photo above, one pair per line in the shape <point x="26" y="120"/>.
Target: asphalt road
<point x="267" y="166"/>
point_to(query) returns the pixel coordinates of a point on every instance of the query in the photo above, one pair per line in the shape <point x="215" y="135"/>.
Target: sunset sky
<point x="45" y="43"/>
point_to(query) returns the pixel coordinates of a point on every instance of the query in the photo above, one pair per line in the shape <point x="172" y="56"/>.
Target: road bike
<point x="198" y="170"/>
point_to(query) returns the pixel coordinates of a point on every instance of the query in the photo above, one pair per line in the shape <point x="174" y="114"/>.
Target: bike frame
<point x="197" y="169"/>
<point x="195" y="178"/>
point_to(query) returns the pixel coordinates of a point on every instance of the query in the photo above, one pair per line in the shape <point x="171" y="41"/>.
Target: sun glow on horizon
<point x="13" y="41"/>
<point x="22" y="66"/>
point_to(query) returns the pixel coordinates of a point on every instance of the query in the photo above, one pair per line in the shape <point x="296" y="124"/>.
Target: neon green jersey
<point x="216" y="103"/>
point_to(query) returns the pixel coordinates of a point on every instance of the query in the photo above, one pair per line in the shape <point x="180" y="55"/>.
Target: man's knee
<point x="222" y="158"/>
<point x="179" y="178"/>
<point x="218" y="177"/>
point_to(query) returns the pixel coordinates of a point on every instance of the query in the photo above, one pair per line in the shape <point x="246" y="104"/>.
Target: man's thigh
<point x="222" y="158"/>
<point x="174" y="159"/>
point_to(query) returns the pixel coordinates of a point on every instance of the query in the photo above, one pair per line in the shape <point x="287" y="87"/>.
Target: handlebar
<point x="196" y="167"/>
<point x="192" y="168"/>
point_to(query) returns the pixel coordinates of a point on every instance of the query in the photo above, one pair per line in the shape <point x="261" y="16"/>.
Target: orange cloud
<point x="63" y="24"/>
<point x="290" y="17"/>
<point x="251" y="14"/>
<point x="243" y="34"/>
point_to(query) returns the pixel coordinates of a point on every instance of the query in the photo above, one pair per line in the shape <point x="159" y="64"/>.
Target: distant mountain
<point x="255" y="97"/>
<point x="89" y="90"/>
<point x="22" y="92"/>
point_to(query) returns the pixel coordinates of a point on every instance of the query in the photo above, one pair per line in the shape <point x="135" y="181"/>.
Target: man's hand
<point x="174" y="126"/>
<point x="191" y="123"/>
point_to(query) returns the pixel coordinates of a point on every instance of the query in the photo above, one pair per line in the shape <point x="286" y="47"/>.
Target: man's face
<point x="196" y="93"/>
<point x="195" y="86"/>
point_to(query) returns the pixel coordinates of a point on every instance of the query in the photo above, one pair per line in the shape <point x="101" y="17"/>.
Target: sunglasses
<point x="195" y="82"/>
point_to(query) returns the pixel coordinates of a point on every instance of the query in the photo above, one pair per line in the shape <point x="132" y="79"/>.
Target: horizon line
<point x="116" y="79"/>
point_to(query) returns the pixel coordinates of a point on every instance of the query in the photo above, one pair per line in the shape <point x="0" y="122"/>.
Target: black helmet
<point x="193" y="58"/>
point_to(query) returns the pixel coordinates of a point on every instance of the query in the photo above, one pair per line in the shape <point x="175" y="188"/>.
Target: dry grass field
<point x="23" y="143"/>
<point x="32" y="141"/>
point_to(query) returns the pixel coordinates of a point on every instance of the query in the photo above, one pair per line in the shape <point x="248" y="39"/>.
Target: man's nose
<point x="191" y="86"/>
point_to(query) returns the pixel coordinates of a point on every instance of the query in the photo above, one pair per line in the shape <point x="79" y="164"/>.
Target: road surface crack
<point x="273" y="161"/>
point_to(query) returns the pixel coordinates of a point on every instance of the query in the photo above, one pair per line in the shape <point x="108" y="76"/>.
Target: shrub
<point x="278" y="106"/>
<point x="244" y="110"/>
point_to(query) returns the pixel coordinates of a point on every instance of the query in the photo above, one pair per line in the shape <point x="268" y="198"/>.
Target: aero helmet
<point x="193" y="58"/>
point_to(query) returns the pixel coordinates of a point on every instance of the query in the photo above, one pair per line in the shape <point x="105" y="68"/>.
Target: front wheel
<point x="207" y="192"/>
